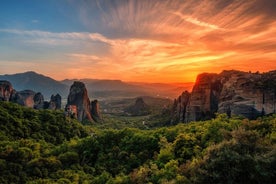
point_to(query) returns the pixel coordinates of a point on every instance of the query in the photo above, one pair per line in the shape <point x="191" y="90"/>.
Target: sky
<point x="136" y="40"/>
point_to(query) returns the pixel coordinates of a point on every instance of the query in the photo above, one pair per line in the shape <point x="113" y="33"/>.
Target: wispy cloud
<point x="51" y="38"/>
<point x="162" y="40"/>
<point x="195" y="21"/>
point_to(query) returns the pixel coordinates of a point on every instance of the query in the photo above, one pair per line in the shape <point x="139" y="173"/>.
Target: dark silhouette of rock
<point x="78" y="97"/>
<point x="179" y="107"/>
<point x="55" y="102"/>
<point x="38" y="101"/>
<point x="140" y="108"/>
<point x="231" y="92"/>
<point x="95" y="110"/>
<point x="204" y="98"/>
<point x="6" y="90"/>
<point x="46" y="105"/>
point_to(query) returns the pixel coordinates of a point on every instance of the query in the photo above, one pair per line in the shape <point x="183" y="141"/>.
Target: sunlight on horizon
<point x="143" y="41"/>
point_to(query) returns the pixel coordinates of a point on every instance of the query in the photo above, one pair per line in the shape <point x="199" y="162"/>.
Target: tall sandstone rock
<point x="55" y="102"/>
<point x="38" y="101"/>
<point x="78" y="97"/>
<point x="232" y="92"/>
<point x="179" y="107"/>
<point x="95" y="111"/>
<point x="6" y="90"/>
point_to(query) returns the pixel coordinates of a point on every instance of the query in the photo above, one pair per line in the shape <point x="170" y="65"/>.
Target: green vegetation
<point x="46" y="147"/>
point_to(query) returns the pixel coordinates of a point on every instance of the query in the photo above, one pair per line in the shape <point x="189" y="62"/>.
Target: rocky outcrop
<point x="204" y="98"/>
<point x="6" y="90"/>
<point x="95" y="110"/>
<point x="179" y="107"/>
<point x="247" y="94"/>
<point x="231" y="92"/>
<point x="55" y="102"/>
<point x="28" y="98"/>
<point x="38" y="101"/>
<point x="140" y="108"/>
<point x="78" y="103"/>
<point x="79" y="98"/>
<point x="24" y="98"/>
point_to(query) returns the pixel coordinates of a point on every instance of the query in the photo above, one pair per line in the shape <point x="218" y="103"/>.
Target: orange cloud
<point x="164" y="41"/>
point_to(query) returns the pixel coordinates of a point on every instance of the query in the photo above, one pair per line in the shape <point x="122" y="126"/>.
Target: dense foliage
<point x="47" y="147"/>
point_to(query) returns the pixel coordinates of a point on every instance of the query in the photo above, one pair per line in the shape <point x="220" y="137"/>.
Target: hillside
<point x="101" y="89"/>
<point x="36" y="82"/>
<point x="45" y="147"/>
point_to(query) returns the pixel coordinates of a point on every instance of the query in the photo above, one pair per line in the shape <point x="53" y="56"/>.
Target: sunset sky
<point x="142" y="40"/>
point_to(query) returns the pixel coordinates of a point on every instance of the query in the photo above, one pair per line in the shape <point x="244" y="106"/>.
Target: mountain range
<point x="36" y="82"/>
<point x="97" y="88"/>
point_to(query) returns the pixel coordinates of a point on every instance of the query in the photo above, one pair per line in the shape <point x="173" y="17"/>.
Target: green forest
<point x="45" y="146"/>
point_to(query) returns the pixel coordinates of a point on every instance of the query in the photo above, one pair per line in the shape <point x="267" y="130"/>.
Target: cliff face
<point x="55" y="102"/>
<point x="6" y="90"/>
<point x="38" y="101"/>
<point x="248" y="94"/>
<point x="231" y="92"/>
<point x="179" y="107"/>
<point x="204" y="98"/>
<point x="95" y="110"/>
<point x="78" y="97"/>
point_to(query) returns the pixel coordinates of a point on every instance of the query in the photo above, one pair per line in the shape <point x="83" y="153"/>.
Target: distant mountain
<point x="101" y="89"/>
<point x="38" y="83"/>
<point x="118" y="89"/>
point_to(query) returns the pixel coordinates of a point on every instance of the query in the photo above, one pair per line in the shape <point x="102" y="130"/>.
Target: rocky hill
<point x="102" y="89"/>
<point x="140" y="108"/>
<point x="232" y="92"/>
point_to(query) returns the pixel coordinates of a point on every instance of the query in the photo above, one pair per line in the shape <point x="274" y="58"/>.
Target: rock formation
<point x="140" y="108"/>
<point x="232" y="92"/>
<point x="55" y="102"/>
<point x="95" y="110"/>
<point x="6" y="90"/>
<point x="78" y="97"/>
<point x="204" y="98"/>
<point x="78" y="103"/>
<point x="179" y="106"/>
<point x="24" y="98"/>
<point x="38" y="101"/>
<point x="28" y="98"/>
